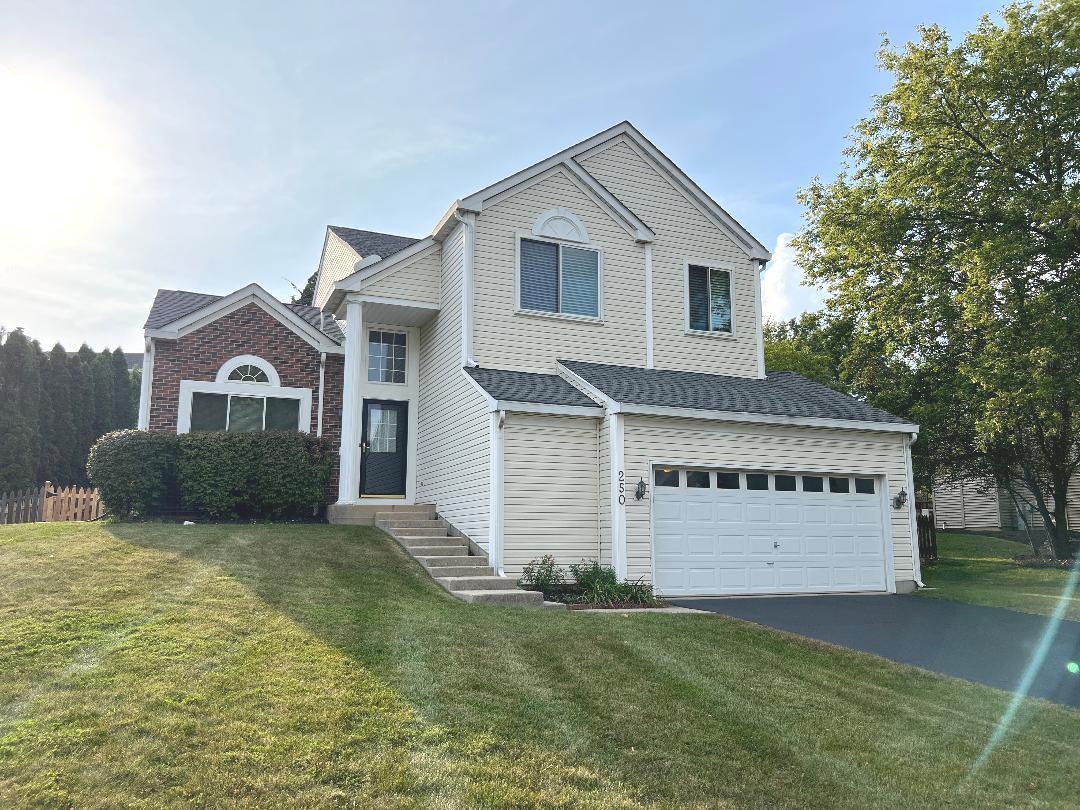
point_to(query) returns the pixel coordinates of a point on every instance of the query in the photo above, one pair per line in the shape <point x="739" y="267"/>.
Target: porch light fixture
<point x="639" y="490"/>
<point x="900" y="499"/>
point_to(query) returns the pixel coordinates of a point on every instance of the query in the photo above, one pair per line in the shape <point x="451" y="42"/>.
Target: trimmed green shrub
<point x="274" y="474"/>
<point x="599" y="585"/>
<point x="542" y="575"/>
<point x="134" y="470"/>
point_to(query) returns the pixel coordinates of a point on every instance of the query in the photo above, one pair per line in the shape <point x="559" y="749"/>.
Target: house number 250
<point x="622" y="488"/>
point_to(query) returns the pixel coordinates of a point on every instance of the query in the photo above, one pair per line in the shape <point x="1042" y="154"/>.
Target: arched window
<point x="248" y="373"/>
<point x="561" y="224"/>
<point x="248" y="368"/>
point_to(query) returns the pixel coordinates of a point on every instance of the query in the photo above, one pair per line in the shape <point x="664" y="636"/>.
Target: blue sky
<point x="202" y="146"/>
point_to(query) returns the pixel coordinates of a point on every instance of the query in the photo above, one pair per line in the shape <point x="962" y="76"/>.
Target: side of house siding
<point x="419" y="280"/>
<point x="453" y="442"/>
<point x="505" y="338"/>
<point x="966" y="504"/>
<point x="550" y="495"/>
<point x="338" y="261"/>
<point x="652" y="440"/>
<point x="683" y="234"/>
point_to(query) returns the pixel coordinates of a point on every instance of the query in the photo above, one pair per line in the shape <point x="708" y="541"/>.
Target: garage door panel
<point x="727" y="541"/>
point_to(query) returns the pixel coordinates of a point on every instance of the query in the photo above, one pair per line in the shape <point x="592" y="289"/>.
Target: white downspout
<point x="322" y="379"/>
<point x="495" y="494"/>
<point x="648" y="308"/>
<point x="760" y="322"/>
<point x="351" y="406"/>
<point x="912" y="438"/>
<point x="146" y="384"/>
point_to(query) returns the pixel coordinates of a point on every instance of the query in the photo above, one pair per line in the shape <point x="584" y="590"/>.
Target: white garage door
<point x="725" y="532"/>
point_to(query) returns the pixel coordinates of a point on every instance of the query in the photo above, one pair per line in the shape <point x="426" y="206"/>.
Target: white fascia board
<point x="475" y="201"/>
<point x="594" y="411"/>
<point x="357" y="279"/>
<point x="251" y="294"/>
<point x="492" y="403"/>
<point x="764" y="418"/>
<point x="640" y="231"/>
<point x="385" y="299"/>
<point x="682" y="181"/>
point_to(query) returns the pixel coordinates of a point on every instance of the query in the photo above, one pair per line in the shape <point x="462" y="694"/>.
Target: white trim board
<point x="189" y="387"/>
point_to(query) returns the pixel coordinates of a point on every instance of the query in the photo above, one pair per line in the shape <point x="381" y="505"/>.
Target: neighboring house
<point x="972" y="504"/>
<point x="570" y="363"/>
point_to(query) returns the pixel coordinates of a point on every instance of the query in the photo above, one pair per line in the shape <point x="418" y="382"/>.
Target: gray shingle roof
<point x="781" y="393"/>
<point x="368" y="243"/>
<point x="171" y="305"/>
<point x="524" y="386"/>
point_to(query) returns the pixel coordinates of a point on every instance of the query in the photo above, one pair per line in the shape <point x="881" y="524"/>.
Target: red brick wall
<point x="248" y="330"/>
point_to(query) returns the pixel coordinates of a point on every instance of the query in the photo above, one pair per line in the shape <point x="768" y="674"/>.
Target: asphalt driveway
<point x="987" y="645"/>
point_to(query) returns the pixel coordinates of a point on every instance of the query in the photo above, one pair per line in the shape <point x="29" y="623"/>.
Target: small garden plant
<point x="590" y="584"/>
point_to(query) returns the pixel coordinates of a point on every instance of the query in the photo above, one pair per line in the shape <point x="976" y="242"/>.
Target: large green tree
<point x="20" y="401"/>
<point x="951" y="240"/>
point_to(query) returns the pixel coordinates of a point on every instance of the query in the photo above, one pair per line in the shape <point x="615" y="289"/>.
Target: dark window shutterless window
<point x="839" y="485"/>
<point x="784" y="483"/>
<point x="709" y="289"/>
<point x="757" y="481"/>
<point x="209" y="411"/>
<point x="697" y="479"/>
<point x="864" y="486"/>
<point x="666" y="478"/>
<point x="559" y="278"/>
<point x="242" y="414"/>
<point x="813" y="483"/>
<point x="727" y="480"/>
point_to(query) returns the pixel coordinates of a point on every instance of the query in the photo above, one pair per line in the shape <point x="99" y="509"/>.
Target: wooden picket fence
<point x="47" y="503"/>
<point x="924" y="521"/>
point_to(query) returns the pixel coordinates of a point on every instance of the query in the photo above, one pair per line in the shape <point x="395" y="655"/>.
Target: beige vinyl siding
<point x="503" y="338"/>
<point x="418" y="280"/>
<point x="649" y="440"/>
<point x="550" y="489"/>
<point x="683" y="234"/>
<point x="338" y="261"/>
<point x="453" y="442"/>
<point x="966" y="504"/>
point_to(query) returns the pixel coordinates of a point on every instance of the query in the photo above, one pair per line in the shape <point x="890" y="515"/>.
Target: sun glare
<point x="62" y="164"/>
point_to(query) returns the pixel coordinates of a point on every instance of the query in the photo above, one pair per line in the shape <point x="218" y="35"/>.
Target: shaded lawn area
<point x="979" y="570"/>
<point x="318" y="666"/>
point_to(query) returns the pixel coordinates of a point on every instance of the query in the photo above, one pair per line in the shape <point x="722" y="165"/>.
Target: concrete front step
<point x="417" y="531"/>
<point x="411" y="523"/>
<point x="438" y="551"/>
<point x="367" y="514"/>
<point x="445" y="540"/>
<point x="514" y="597"/>
<point x="475" y="583"/>
<point x="441" y="573"/>
<point x="436" y="563"/>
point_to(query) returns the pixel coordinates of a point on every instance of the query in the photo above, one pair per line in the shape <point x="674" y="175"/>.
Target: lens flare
<point x="1073" y="667"/>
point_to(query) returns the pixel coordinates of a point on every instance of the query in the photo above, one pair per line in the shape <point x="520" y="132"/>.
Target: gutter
<point x="322" y="379"/>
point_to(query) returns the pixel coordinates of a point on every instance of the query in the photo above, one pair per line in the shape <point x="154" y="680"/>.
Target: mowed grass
<point x="980" y="570"/>
<point x="269" y="666"/>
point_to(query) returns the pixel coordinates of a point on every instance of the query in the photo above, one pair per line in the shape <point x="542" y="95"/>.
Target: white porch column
<point x="618" y="495"/>
<point x="351" y="405"/>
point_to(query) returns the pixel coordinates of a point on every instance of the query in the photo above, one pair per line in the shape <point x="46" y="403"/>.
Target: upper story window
<point x="248" y="373"/>
<point x="709" y="299"/>
<point x="386" y="356"/>
<point x="559" y="278"/>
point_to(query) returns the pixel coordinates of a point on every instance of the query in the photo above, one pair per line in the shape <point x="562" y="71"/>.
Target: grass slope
<point x="150" y="665"/>
<point x="979" y="570"/>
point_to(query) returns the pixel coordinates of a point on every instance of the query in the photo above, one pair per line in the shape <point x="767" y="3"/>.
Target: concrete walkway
<point x="987" y="645"/>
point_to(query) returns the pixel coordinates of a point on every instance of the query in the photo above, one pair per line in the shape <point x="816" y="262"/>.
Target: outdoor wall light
<point x="900" y="499"/>
<point x="639" y="490"/>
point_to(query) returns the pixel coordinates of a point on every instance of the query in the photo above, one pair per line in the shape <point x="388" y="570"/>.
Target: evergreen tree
<point x="308" y="293"/>
<point x="58" y="433"/>
<point x="136" y="394"/>
<point x="122" y="414"/>
<point x="101" y="372"/>
<point x="82" y="410"/>
<point x="20" y="399"/>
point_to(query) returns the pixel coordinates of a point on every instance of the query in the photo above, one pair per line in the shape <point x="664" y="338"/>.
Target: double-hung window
<point x="559" y="279"/>
<point x="709" y="305"/>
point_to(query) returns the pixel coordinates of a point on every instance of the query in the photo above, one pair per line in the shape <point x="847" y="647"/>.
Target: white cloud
<point x="785" y="293"/>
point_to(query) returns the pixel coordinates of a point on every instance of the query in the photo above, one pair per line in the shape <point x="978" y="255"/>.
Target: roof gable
<point x="177" y="312"/>
<point x="367" y="243"/>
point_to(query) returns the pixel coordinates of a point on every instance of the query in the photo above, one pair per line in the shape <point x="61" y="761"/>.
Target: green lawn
<point x="318" y="666"/>
<point x="976" y="569"/>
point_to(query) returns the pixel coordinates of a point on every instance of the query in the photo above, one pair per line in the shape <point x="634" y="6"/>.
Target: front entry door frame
<point x="402" y="450"/>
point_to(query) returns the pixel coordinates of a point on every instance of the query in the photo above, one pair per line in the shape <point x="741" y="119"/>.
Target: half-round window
<point x="249" y="374"/>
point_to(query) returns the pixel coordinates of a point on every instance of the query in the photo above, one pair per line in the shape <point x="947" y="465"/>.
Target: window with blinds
<point x="709" y="289"/>
<point x="559" y="278"/>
